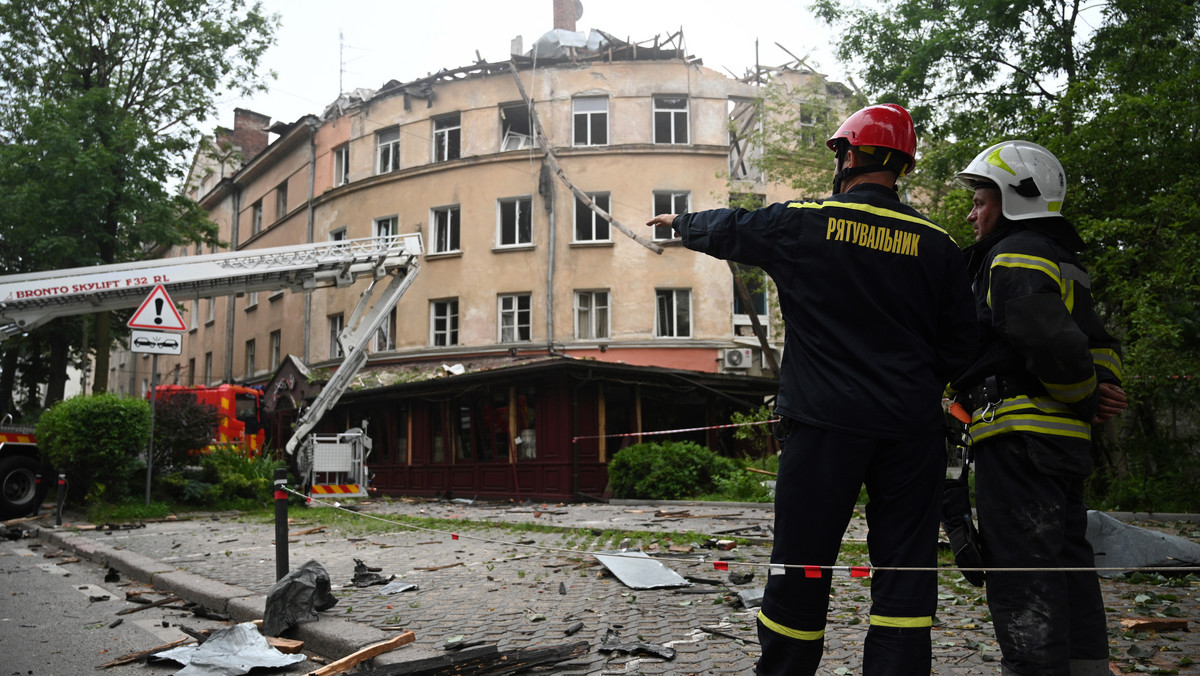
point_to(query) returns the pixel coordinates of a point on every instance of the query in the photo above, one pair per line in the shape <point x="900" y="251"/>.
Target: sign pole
<point x="150" y="451"/>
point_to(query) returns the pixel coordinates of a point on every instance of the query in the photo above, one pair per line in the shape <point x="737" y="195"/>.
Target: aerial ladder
<point x="30" y="300"/>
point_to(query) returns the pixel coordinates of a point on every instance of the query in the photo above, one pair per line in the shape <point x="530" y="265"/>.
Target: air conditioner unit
<point x="738" y="358"/>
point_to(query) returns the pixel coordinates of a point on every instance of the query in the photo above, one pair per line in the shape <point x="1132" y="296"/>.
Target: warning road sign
<point x="158" y="313"/>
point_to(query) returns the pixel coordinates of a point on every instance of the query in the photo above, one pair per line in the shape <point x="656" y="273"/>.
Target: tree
<point x="183" y="428"/>
<point x="101" y="99"/>
<point x="1113" y="97"/>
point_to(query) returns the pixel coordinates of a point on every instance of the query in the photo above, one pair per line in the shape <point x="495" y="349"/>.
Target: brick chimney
<point x="566" y="12"/>
<point x="249" y="132"/>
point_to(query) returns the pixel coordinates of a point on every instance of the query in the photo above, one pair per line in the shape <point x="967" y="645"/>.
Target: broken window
<point x="515" y="130"/>
<point x="447" y="138"/>
<point x="674" y="316"/>
<point x="256" y="218"/>
<point x="670" y="119"/>
<point x="445" y="230"/>
<point x="437" y="430"/>
<point x="341" y="164"/>
<point x="591" y="315"/>
<point x="590" y="120"/>
<point x="281" y="198"/>
<point x="387" y="146"/>
<point x="516" y="221"/>
<point x="526" y="440"/>
<point x="385" y="227"/>
<point x="443" y="325"/>
<point x="515" y="318"/>
<point x="670" y="202"/>
<point x="590" y="226"/>
<point x="276" y="349"/>
<point x="744" y="153"/>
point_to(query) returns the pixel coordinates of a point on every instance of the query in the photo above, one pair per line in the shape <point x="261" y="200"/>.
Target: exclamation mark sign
<point x="158" y="308"/>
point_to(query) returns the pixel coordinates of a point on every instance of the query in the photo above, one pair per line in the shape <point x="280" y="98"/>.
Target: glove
<point x="960" y="529"/>
<point x="964" y="544"/>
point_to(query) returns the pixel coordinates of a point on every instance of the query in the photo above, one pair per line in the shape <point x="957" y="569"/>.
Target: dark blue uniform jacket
<point x="875" y="299"/>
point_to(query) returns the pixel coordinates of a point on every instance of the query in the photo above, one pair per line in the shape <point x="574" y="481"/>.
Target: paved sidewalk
<point x="516" y="588"/>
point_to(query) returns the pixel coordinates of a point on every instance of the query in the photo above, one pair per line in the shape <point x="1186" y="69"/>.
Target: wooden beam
<point x="355" y="658"/>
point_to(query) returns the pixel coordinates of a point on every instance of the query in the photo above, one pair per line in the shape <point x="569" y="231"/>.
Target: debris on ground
<point x="229" y="652"/>
<point x="612" y="644"/>
<point x="485" y="660"/>
<point x="636" y="570"/>
<point x="365" y="576"/>
<point x="297" y="598"/>
<point x="1120" y="545"/>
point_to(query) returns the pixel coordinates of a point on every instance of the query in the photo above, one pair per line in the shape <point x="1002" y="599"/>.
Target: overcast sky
<point x="405" y="40"/>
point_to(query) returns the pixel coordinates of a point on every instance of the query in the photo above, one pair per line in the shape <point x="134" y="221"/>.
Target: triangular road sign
<point x="158" y="313"/>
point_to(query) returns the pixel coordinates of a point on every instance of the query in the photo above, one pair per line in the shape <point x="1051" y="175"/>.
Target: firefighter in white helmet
<point x="1046" y="370"/>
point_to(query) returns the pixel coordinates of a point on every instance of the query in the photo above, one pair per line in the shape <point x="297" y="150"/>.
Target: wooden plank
<point x="134" y="657"/>
<point x="155" y="604"/>
<point x="287" y="646"/>
<point x="355" y="658"/>
<point x="486" y="660"/>
<point x="1153" y="624"/>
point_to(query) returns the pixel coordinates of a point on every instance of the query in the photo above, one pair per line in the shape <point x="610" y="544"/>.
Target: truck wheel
<point x="20" y="492"/>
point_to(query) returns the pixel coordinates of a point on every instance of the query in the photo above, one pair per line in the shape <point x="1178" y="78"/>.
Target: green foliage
<point x="666" y="471"/>
<point x="183" y="426"/>
<point x="759" y="436"/>
<point x="101" y="110"/>
<point x="96" y="441"/>
<point x="226" y="477"/>
<point x="1103" y="91"/>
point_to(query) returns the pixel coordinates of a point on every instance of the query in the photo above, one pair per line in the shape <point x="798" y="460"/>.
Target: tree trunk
<point x="56" y="376"/>
<point x="102" y="345"/>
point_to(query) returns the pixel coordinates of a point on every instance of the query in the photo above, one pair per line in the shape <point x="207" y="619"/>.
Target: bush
<point x="183" y="427"/>
<point x="226" y="477"/>
<point x="667" y="471"/>
<point x="97" y="442"/>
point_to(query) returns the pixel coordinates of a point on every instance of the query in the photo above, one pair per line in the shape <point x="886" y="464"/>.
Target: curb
<point x="329" y="637"/>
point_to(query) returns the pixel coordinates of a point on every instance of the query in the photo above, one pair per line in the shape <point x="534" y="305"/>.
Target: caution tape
<point x="809" y="570"/>
<point x="674" y="431"/>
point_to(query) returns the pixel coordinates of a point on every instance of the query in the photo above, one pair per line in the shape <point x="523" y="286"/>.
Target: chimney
<point x="249" y="132"/>
<point x="566" y="13"/>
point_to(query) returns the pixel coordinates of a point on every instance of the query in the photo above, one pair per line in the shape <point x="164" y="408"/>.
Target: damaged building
<point x="548" y="327"/>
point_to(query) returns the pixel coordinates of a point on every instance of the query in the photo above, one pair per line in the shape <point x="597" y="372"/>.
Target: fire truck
<point x="389" y="262"/>
<point x="239" y="411"/>
<point x="23" y="479"/>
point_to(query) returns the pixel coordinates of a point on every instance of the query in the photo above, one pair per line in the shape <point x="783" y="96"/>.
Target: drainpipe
<point x="229" y="313"/>
<point x="312" y="180"/>
<point x="545" y="180"/>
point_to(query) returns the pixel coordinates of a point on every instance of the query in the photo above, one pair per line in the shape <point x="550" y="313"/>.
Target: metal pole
<point x="281" y="517"/>
<point x="150" y="451"/>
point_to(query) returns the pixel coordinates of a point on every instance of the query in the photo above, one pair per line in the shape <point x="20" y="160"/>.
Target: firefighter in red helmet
<point x="879" y="317"/>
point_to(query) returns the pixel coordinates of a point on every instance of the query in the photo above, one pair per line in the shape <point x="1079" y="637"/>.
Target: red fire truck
<point x="239" y="408"/>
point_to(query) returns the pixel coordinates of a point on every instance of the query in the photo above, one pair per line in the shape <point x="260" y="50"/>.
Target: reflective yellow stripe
<point x="1039" y="415"/>
<point x="1071" y="392"/>
<point x="789" y="632"/>
<point x="902" y="622"/>
<point x="1029" y="263"/>
<point x="1109" y="359"/>
<point x="878" y="211"/>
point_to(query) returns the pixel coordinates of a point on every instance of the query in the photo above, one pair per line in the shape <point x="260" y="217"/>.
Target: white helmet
<point x="1031" y="180"/>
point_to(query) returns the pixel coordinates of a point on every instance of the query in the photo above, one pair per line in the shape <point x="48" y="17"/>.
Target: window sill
<point x="591" y="245"/>
<point x="502" y="248"/>
<point x="432" y="256"/>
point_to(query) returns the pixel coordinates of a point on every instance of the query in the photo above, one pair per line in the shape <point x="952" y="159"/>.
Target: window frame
<point x="522" y="206"/>
<point x="276" y="338"/>
<point x="387" y="143"/>
<point x="250" y="358"/>
<point x="451" y="241"/>
<point x="256" y="218"/>
<point x="673" y="207"/>
<point x="447" y="137"/>
<point x="449" y="316"/>
<point x="584" y="120"/>
<point x="336" y="324"/>
<point x="659" y="297"/>
<point x="281" y="198"/>
<point x="385" y="226"/>
<point x="596" y="197"/>
<point x="678" y="119"/>
<point x="341" y="165"/>
<point x="593" y="310"/>
<point x="514" y="314"/>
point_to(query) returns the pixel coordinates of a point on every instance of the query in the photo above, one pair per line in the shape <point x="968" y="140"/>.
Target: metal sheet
<point x="1120" y="545"/>
<point x="638" y="571"/>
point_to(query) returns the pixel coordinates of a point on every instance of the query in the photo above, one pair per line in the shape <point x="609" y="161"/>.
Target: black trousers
<point x="820" y="473"/>
<point x="1031" y="515"/>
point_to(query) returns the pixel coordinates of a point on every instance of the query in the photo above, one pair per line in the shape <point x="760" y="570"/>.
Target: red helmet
<point x="886" y="125"/>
